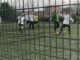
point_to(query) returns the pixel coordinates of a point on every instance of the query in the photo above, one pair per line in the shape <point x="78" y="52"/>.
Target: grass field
<point x="38" y="44"/>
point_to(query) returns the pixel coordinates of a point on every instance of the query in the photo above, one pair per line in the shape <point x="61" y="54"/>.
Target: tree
<point x="7" y="12"/>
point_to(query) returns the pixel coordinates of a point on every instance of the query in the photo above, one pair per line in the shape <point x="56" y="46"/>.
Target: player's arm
<point x="61" y="18"/>
<point x="53" y="17"/>
<point x="71" y="19"/>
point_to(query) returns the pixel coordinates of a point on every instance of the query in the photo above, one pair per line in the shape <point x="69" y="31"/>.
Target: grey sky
<point x="19" y="3"/>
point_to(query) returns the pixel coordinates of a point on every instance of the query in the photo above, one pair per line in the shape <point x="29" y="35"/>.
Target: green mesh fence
<point x="27" y="30"/>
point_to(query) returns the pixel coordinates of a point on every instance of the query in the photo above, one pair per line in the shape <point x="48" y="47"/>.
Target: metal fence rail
<point x="18" y="41"/>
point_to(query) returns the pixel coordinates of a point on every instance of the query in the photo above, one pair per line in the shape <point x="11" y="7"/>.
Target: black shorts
<point x="20" y="25"/>
<point x="36" y="22"/>
<point x="56" y="24"/>
<point x="27" y="22"/>
<point x="66" y="25"/>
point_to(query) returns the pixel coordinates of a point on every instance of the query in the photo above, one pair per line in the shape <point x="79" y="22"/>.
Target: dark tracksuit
<point x="55" y="19"/>
<point x="31" y="25"/>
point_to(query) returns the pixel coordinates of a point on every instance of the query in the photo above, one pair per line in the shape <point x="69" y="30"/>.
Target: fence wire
<point x="39" y="30"/>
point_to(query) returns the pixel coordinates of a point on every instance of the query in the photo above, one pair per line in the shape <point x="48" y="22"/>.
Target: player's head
<point x="26" y="13"/>
<point x="56" y="8"/>
<point x="31" y="12"/>
<point x="55" y="11"/>
<point x="22" y="14"/>
<point x="19" y="14"/>
<point x="66" y="12"/>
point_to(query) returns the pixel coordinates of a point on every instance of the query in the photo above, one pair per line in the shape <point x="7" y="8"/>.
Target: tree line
<point x="7" y="12"/>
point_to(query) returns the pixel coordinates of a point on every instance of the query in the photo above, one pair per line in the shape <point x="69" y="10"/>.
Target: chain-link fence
<point x="39" y="30"/>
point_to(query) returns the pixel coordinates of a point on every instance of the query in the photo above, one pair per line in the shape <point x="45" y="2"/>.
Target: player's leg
<point x="55" y="26"/>
<point x="61" y="29"/>
<point x="69" y="29"/>
<point x="22" y="27"/>
<point x="19" y="27"/>
<point x="38" y="24"/>
<point x="32" y="25"/>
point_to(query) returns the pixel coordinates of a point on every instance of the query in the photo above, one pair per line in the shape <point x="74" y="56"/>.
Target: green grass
<point x="38" y="44"/>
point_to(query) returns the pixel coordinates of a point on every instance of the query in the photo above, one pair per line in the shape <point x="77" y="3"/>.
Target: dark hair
<point x="66" y="11"/>
<point x="55" y="11"/>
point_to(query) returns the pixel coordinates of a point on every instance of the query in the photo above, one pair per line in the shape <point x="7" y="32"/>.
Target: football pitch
<point x="39" y="44"/>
